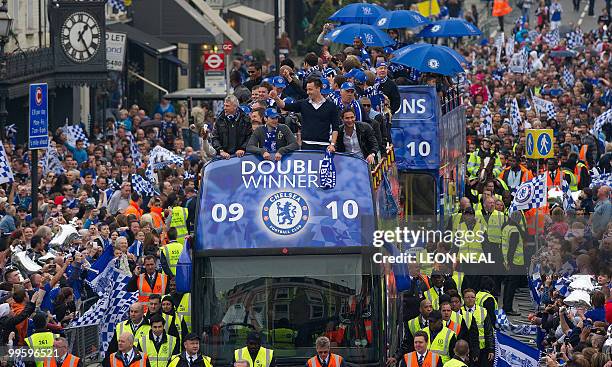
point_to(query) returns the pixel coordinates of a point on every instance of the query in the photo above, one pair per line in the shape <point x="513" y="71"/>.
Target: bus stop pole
<point x="537" y="245"/>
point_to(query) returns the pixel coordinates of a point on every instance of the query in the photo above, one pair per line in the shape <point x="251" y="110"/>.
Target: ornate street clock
<point x="78" y="36"/>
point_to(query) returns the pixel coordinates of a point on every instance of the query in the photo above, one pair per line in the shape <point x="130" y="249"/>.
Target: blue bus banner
<point x="415" y="129"/>
<point x="38" y="137"/>
<point x="252" y="203"/>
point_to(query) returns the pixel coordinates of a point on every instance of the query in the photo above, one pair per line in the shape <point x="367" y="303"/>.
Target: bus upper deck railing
<point x="450" y="99"/>
<point x="383" y="166"/>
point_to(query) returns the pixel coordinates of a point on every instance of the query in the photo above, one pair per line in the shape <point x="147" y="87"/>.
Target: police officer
<point x="42" y="338"/>
<point x="514" y="259"/>
<point x="254" y="353"/>
<point x="137" y="326"/>
<point x="441" y="339"/>
<point x="171" y="252"/>
<point x="324" y="357"/>
<point x="410" y="330"/>
<point x="126" y="355"/>
<point x="192" y="356"/>
<point x="421" y="357"/>
<point x="62" y="358"/>
<point x="461" y="359"/>
<point x="157" y="345"/>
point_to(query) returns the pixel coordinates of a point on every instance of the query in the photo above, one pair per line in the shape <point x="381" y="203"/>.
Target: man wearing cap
<point x="191" y="357"/>
<point x="273" y="138"/>
<point x="356" y="138"/>
<point x="387" y="86"/>
<point x="441" y="339"/>
<point x="347" y="100"/>
<point x="254" y="353"/>
<point x="319" y="117"/>
<point x="485" y="150"/>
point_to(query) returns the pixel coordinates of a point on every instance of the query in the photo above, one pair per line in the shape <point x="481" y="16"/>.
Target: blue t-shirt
<point x="596" y="314"/>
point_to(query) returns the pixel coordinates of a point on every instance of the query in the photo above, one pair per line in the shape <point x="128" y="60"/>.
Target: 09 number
<point x="350" y="209"/>
<point x="232" y="212"/>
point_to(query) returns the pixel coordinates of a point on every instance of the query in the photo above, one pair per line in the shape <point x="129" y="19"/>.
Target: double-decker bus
<point x="277" y="254"/>
<point x="429" y="134"/>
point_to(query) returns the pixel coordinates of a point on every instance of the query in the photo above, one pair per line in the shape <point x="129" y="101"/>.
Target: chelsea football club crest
<point x="285" y="213"/>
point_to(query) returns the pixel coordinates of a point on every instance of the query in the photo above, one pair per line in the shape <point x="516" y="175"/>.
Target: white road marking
<point x="586" y="7"/>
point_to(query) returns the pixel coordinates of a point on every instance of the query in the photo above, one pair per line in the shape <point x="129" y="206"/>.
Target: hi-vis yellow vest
<point x="480" y="315"/>
<point x="172" y="252"/>
<point x="184" y="310"/>
<point x="179" y="221"/>
<point x="141" y="332"/>
<point x="441" y="344"/>
<point x="263" y="359"/>
<point x="494" y="226"/>
<point x="161" y="357"/>
<point x="519" y="257"/>
<point x="474" y="247"/>
<point x="177" y="358"/>
<point x="41" y="341"/>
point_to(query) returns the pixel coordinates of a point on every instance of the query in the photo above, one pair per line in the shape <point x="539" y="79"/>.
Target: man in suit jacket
<point x="356" y="138"/>
<point x="272" y="138"/>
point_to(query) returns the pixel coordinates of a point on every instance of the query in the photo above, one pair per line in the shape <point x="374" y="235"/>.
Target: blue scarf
<point x="270" y="142"/>
<point x="327" y="172"/>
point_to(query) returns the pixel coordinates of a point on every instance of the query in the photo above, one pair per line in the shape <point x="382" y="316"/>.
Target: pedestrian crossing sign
<point x="539" y="143"/>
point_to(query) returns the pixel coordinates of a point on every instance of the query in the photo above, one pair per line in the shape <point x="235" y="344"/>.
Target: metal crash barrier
<point x="85" y="342"/>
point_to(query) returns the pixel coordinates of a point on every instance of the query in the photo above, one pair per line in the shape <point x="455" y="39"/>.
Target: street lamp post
<point x="5" y="29"/>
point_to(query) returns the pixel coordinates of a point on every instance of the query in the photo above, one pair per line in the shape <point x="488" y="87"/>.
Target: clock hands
<point x="81" y="39"/>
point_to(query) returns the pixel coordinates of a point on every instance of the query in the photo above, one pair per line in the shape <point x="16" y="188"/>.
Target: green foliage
<point x="325" y="11"/>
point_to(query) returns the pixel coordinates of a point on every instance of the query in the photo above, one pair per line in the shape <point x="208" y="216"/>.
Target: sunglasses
<point x="366" y="105"/>
<point x="251" y="71"/>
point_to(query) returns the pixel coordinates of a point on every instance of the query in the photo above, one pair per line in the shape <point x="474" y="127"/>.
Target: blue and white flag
<point x="11" y="133"/>
<point x="134" y="151"/>
<point x="600" y="121"/>
<point x="552" y="38"/>
<point x="161" y="157"/>
<point x="6" y="173"/>
<point x="510" y="352"/>
<point x="327" y="172"/>
<point x="101" y="264"/>
<point x="544" y="106"/>
<point x="568" y="78"/>
<point x="575" y="39"/>
<point x="51" y="161"/>
<point x="142" y="186"/>
<point x="562" y="285"/>
<point x="111" y="308"/>
<point x="601" y="180"/>
<point x="515" y="117"/>
<point x="535" y="284"/>
<point x="486" y="127"/>
<point x="568" y="200"/>
<point x="530" y="194"/>
<point x="518" y="329"/>
<point x="118" y="5"/>
<point x="74" y="133"/>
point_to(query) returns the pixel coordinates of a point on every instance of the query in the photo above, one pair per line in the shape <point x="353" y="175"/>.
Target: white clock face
<point x="80" y="37"/>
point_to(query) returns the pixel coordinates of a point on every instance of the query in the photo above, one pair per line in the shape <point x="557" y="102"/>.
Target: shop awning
<point x="148" y="42"/>
<point x="253" y="14"/>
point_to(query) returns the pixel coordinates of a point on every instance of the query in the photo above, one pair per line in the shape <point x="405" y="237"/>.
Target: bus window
<point x="290" y="301"/>
<point x="417" y="198"/>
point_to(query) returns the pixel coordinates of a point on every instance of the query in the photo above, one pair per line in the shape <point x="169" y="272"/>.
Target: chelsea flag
<point x="510" y="352"/>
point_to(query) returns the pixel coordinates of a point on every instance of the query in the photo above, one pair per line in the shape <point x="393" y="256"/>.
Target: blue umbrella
<point x="428" y="58"/>
<point x="370" y="35"/>
<point x="401" y="19"/>
<point x="358" y="13"/>
<point x="453" y="27"/>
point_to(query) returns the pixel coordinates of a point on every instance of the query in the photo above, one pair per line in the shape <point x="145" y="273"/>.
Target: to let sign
<point x="115" y="50"/>
<point x="39" y="117"/>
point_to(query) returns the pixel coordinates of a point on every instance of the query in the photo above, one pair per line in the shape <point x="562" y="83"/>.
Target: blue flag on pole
<point x="510" y="352"/>
<point x="183" y="272"/>
<point x="100" y="264"/>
